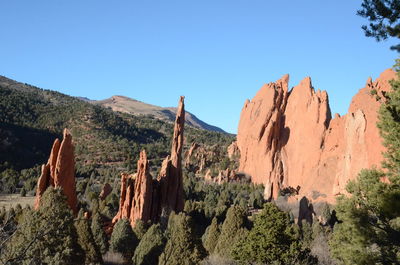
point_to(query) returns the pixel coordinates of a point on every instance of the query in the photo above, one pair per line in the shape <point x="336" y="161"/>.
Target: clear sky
<point x="217" y="53"/>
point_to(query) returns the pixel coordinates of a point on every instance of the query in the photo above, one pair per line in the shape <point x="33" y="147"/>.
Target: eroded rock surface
<point x="60" y="171"/>
<point x="288" y="138"/>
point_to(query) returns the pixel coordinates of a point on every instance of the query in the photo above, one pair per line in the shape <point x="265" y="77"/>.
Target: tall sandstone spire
<point x="59" y="171"/>
<point x="143" y="198"/>
<point x="288" y="138"/>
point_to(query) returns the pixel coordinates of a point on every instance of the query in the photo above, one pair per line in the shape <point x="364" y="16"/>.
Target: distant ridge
<point x="135" y="107"/>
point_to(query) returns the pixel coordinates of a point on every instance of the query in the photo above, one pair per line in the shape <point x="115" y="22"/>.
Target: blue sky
<point x="217" y="53"/>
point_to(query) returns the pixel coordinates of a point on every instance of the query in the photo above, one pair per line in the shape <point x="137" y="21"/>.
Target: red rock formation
<point x="43" y="183"/>
<point x="288" y="138"/>
<point x="60" y="171"/>
<point x="144" y="198"/>
<point x="190" y="153"/>
<point x="199" y="157"/>
<point x="233" y="150"/>
<point x="208" y="177"/>
<point x="170" y="177"/>
<point x="122" y="198"/>
<point x="105" y="191"/>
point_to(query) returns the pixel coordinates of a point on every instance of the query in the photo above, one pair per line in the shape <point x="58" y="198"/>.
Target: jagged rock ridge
<point x="147" y="199"/>
<point x="288" y="138"/>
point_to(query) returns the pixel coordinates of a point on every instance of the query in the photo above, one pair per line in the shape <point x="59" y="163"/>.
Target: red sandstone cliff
<point x="287" y="138"/>
<point x="59" y="171"/>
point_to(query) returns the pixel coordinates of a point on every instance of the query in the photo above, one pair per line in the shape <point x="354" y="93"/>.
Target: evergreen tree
<point x="140" y="229"/>
<point x="183" y="247"/>
<point x="150" y="247"/>
<point x="369" y="232"/>
<point x="99" y="235"/>
<point x="231" y="231"/>
<point x="46" y="236"/>
<point x="389" y="128"/>
<point x="87" y="242"/>
<point x="272" y="240"/>
<point x="123" y="240"/>
<point x="211" y="236"/>
<point x="384" y="19"/>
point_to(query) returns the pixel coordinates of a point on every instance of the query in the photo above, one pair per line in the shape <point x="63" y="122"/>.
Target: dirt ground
<point x="9" y="200"/>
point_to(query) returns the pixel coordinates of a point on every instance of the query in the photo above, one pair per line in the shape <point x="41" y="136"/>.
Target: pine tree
<point x="231" y="231"/>
<point x="46" y="236"/>
<point x="369" y="232"/>
<point x="150" y="247"/>
<point x="383" y="16"/>
<point x="182" y="246"/>
<point x="140" y="229"/>
<point x="211" y="236"/>
<point x="99" y="235"/>
<point x="389" y="127"/>
<point x="87" y="242"/>
<point x="272" y="240"/>
<point x="123" y="240"/>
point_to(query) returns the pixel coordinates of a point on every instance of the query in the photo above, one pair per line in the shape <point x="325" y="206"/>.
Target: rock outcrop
<point x="288" y="138"/>
<point x="233" y="151"/>
<point x="170" y="177"/>
<point x="199" y="158"/>
<point x="59" y="171"/>
<point x="136" y="193"/>
<point x="105" y="191"/>
<point x="144" y="198"/>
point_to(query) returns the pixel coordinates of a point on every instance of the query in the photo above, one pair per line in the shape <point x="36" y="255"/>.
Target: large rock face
<point x="59" y="171"/>
<point x="143" y="198"/>
<point x="289" y="139"/>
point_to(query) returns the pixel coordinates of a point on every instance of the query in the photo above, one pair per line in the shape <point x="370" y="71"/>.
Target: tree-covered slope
<point x="31" y="118"/>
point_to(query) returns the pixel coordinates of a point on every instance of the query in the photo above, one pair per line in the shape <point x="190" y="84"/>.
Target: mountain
<point x="106" y="142"/>
<point x="289" y="139"/>
<point x="138" y="108"/>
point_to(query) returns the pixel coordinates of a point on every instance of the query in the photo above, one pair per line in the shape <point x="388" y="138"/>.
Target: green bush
<point x="150" y="247"/>
<point x="99" y="235"/>
<point x="87" y="242"/>
<point x="232" y="230"/>
<point x="123" y="240"/>
<point x="211" y="236"/>
<point x="272" y="240"/>
<point x="46" y="236"/>
<point x="183" y="247"/>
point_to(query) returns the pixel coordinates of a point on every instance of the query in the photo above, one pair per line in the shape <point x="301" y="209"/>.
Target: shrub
<point x="123" y="240"/>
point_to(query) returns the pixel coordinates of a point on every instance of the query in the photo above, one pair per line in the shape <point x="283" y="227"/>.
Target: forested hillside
<point x="106" y="142"/>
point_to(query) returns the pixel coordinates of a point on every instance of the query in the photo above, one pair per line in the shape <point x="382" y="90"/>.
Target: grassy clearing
<point x="11" y="200"/>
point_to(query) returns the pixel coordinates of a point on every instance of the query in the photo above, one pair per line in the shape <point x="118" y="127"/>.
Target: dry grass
<point x="11" y="200"/>
<point x="217" y="260"/>
<point x="112" y="258"/>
